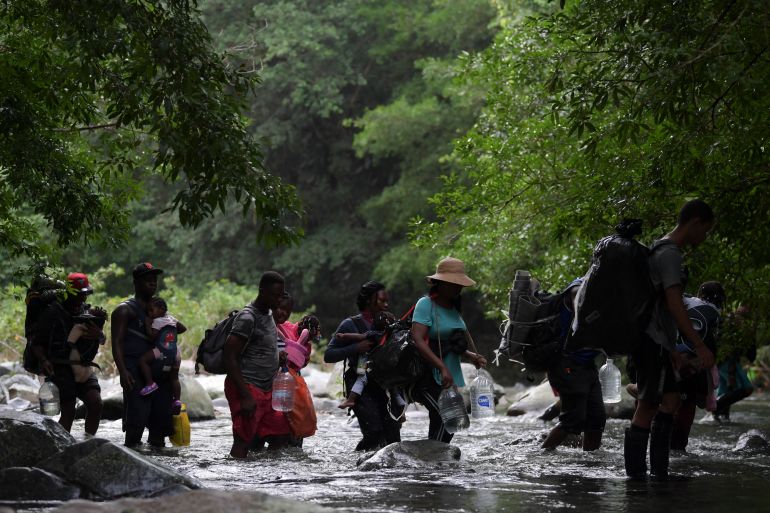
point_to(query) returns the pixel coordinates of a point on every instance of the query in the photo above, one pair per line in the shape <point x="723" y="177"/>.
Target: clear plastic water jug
<point x="482" y="398"/>
<point x="609" y="377"/>
<point x="49" y="399"/>
<point x="283" y="391"/>
<point x="452" y="410"/>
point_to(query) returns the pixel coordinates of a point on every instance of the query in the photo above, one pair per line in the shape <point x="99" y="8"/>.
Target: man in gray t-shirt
<point x="654" y="359"/>
<point x="259" y="360"/>
<point x="252" y="359"/>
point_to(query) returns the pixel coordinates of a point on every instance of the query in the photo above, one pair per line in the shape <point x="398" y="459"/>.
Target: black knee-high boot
<point x="635" y="451"/>
<point x="660" y="444"/>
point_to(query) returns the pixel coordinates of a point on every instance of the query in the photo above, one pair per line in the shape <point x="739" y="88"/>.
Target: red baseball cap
<point x="79" y="282"/>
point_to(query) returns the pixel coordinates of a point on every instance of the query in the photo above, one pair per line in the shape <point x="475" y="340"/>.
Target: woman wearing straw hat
<point x="441" y="337"/>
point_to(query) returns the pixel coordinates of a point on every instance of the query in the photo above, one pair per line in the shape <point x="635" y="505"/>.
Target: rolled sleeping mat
<point x="526" y="312"/>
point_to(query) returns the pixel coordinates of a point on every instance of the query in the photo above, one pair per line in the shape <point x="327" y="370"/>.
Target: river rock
<point x="412" y="454"/>
<point x="112" y="407"/>
<point x="34" y="484"/>
<point x="198" y="401"/>
<point x="199" y="501"/>
<point x="622" y="410"/>
<point x="334" y="385"/>
<point x="108" y="470"/>
<point x="27" y="438"/>
<point x="533" y="400"/>
<point x="214" y="384"/>
<point x="21" y="385"/>
<point x="752" y="442"/>
<point x="316" y="380"/>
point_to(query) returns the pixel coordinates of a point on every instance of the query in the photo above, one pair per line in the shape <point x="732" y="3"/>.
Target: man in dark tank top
<point x="129" y="343"/>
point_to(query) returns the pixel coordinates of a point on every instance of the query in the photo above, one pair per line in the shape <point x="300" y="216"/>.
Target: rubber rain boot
<point x="635" y="452"/>
<point x="660" y="445"/>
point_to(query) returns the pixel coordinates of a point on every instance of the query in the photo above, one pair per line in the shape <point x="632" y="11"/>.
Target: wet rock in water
<point x="753" y="442"/>
<point x="34" y="484"/>
<point x="623" y="409"/>
<point x="108" y="470"/>
<point x="199" y="501"/>
<point x="198" y="401"/>
<point x="220" y="403"/>
<point x="533" y="400"/>
<point x="316" y="380"/>
<point x="213" y="383"/>
<point x="412" y="454"/>
<point x="22" y="386"/>
<point x="324" y="405"/>
<point x="112" y="408"/>
<point x="27" y="438"/>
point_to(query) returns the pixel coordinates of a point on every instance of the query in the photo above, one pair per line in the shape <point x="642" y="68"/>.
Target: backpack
<point x="40" y="296"/>
<point x="395" y="361"/>
<point x="535" y="336"/>
<point x="211" y="350"/>
<point x="614" y="304"/>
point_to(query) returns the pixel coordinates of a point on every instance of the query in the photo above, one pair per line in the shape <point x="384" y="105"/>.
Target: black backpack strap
<point x="361" y="326"/>
<point x="131" y="303"/>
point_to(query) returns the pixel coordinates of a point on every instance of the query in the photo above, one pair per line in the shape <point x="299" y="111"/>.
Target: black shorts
<point x="654" y="372"/>
<point x="582" y="406"/>
<point x="69" y="390"/>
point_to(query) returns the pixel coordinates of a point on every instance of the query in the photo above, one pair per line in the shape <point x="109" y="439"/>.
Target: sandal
<point x="152" y="387"/>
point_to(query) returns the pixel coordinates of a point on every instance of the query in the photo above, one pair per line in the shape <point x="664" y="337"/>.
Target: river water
<point x="501" y="469"/>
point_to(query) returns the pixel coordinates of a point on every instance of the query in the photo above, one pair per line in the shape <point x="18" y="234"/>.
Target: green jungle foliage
<point x="512" y="134"/>
<point x="615" y="109"/>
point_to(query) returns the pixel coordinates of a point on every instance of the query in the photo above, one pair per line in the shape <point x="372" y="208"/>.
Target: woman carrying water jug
<point x="441" y="337"/>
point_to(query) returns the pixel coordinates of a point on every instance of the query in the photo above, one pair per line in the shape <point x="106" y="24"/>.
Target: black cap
<point x="144" y="269"/>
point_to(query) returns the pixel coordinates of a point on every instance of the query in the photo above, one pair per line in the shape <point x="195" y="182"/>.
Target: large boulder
<point x="199" y="501"/>
<point x="198" y="401"/>
<point x="34" y="484"/>
<point x="108" y="470"/>
<point x="27" y="438"/>
<point x="412" y="454"/>
<point x="533" y="400"/>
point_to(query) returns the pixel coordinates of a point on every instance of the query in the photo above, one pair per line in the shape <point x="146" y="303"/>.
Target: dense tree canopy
<point x="613" y="109"/>
<point x="97" y="95"/>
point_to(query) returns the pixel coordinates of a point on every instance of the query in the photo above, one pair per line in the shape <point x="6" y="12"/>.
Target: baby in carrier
<point x="381" y="322"/>
<point x="83" y="370"/>
<point x="163" y="331"/>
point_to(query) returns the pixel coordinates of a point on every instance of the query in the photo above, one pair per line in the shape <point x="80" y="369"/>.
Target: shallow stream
<point x="501" y="469"/>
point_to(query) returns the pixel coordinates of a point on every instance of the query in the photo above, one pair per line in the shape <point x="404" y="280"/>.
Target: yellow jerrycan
<point x="181" y="423"/>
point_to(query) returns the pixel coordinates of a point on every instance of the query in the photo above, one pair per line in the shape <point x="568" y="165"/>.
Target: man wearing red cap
<point x="129" y="344"/>
<point x="57" y="334"/>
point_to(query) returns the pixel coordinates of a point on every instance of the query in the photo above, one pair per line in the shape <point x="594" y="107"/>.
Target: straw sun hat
<point x="452" y="270"/>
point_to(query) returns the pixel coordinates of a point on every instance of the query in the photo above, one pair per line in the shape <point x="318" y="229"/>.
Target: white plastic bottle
<point x="283" y="391"/>
<point x="452" y="410"/>
<point x="482" y="398"/>
<point x="609" y="377"/>
<point x="49" y="399"/>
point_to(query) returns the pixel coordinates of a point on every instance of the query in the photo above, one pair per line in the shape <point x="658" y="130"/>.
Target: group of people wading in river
<point x="261" y="340"/>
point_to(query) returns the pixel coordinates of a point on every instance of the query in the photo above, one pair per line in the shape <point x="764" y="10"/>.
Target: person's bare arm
<point x="420" y="337"/>
<point x="180" y="328"/>
<point x="118" y="325"/>
<point x="234" y="346"/>
<point x="678" y="311"/>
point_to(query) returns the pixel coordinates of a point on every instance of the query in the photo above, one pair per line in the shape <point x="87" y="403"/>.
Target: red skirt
<point x="263" y="422"/>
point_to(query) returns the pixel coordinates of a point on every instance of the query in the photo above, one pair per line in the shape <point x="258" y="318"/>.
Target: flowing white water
<point x="501" y="469"/>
